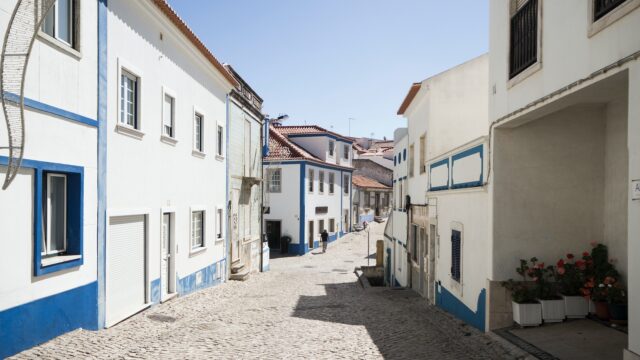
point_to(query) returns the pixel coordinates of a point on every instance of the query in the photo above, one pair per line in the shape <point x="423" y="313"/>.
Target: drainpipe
<point x="264" y="140"/>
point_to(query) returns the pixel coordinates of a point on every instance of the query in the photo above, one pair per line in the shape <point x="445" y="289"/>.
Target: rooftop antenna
<point x="16" y="49"/>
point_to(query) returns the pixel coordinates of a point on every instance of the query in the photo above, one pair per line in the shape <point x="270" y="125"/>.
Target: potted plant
<point x="526" y="310"/>
<point x="600" y="273"/>
<point x="570" y="277"/>
<point x="545" y="292"/>
<point x="616" y="300"/>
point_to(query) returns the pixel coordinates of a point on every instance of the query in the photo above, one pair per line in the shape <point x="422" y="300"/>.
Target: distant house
<point x="244" y="178"/>
<point x="370" y="199"/>
<point x="308" y="186"/>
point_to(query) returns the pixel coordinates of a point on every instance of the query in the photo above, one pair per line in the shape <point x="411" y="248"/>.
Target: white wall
<point x="318" y="146"/>
<point x="145" y="175"/>
<point x="401" y="267"/>
<point x="58" y="79"/>
<point x="285" y="206"/>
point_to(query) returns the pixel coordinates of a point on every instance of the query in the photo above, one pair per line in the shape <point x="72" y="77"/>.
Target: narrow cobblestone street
<point x="305" y="307"/>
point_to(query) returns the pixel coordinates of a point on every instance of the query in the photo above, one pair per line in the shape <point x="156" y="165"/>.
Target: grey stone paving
<point x="305" y="307"/>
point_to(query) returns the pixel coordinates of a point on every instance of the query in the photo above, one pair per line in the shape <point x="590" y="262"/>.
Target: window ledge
<point x="219" y="240"/>
<point x="53" y="260"/>
<point x="197" y="251"/>
<point x="615" y="15"/>
<point x="168" y="140"/>
<point x="219" y="157"/>
<point x="59" y="45"/>
<point x="198" y="154"/>
<point x="129" y="131"/>
<point x="525" y="74"/>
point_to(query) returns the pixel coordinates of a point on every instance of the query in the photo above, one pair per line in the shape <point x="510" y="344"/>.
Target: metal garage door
<point x="126" y="267"/>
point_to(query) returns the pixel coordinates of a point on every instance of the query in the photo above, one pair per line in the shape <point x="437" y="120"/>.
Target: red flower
<point x="609" y="280"/>
<point x="560" y="263"/>
<point x="585" y="292"/>
<point x="570" y="256"/>
<point x="540" y="265"/>
<point x="581" y="264"/>
<point x="561" y="271"/>
<point x="585" y="254"/>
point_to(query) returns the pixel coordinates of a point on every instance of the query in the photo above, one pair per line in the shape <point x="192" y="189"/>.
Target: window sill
<point x="168" y="140"/>
<point x="197" y="251"/>
<point x="59" y="45"/>
<point x="610" y="18"/>
<point x="54" y="260"/>
<point x="219" y="240"/>
<point x="525" y="74"/>
<point x="198" y="154"/>
<point x="219" y="157"/>
<point x="129" y="131"/>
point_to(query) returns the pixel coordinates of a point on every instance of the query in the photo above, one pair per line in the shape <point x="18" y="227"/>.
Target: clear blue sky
<point x="324" y="61"/>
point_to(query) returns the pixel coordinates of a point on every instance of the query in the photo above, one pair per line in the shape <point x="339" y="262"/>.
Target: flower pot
<point x="592" y="307"/>
<point x="575" y="307"/>
<point x="527" y="314"/>
<point x="552" y="310"/>
<point x="602" y="310"/>
<point x="618" y="312"/>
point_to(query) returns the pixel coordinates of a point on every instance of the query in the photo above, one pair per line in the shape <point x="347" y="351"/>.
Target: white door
<point x="166" y="257"/>
<point x="126" y="268"/>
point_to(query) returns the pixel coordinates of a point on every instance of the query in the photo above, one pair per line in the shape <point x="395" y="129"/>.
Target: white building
<point x="48" y="214"/>
<point x="308" y="186"/>
<point x="244" y="178"/>
<point x="448" y="226"/>
<point x="395" y="233"/>
<point x="166" y="160"/>
<point x="371" y="199"/>
<point x="565" y="120"/>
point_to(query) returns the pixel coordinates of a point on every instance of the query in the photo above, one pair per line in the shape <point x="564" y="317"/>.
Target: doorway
<point x="166" y="257"/>
<point x="311" y="235"/>
<point x="235" y="236"/>
<point x="273" y="230"/>
<point x="431" y="264"/>
<point x="377" y="204"/>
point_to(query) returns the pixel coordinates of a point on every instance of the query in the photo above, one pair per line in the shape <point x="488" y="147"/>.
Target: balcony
<point x="524" y="38"/>
<point x="603" y="7"/>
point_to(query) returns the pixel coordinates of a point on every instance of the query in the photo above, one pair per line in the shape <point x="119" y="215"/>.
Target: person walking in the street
<point x="325" y="239"/>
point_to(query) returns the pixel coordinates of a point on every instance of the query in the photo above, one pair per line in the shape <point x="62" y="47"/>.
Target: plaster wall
<point x="285" y="206"/>
<point x="371" y="169"/>
<point x="146" y="175"/>
<point x="336" y="203"/>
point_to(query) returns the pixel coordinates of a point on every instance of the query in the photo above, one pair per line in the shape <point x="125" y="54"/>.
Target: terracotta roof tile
<point x="310" y="129"/>
<point x="365" y="182"/>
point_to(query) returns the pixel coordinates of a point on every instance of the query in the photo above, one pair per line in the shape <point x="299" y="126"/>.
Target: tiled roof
<point x="368" y="183"/>
<point x="413" y="91"/>
<point x="166" y="9"/>
<point x="310" y="129"/>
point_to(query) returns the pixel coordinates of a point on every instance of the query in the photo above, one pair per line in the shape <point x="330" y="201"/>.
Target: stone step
<point x="241" y="276"/>
<point x="237" y="267"/>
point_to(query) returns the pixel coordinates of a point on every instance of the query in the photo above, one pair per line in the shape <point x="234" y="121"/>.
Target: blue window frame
<point x="475" y="150"/>
<point x="404" y="154"/>
<point x="72" y="190"/>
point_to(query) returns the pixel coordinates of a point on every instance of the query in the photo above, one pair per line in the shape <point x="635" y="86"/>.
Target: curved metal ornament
<point x="18" y="42"/>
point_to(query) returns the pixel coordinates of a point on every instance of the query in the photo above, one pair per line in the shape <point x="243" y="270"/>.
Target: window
<point x="197" y="229"/>
<point x="198" y="133"/>
<point x="54" y="240"/>
<point x="321" y="182"/>
<point x="311" y="178"/>
<point x="331" y="182"/>
<point x="346" y="152"/>
<point x="423" y="154"/>
<point x="60" y="22"/>
<point x="332" y="225"/>
<point x="456" y="247"/>
<point x="220" y="139"/>
<point x="332" y="146"/>
<point x="523" y="44"/>
<point x="400" y="199"/>
<point x="129" y="100"/>
<point x="404" y="152"/>
<point x="220" y="220"/>
<point x="168" y="116"/>
<point x="372" y="198"/>
<point x="320" y="226"/>
<point x="274" y="180"/>
<point x="411" y="160"/>
<point x="603" y="7"/>
<point x="345" y="184"/>
<point x="367" y="202"/>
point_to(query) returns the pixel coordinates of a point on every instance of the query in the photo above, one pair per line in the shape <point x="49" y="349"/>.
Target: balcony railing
<point x="603" y="7"/>
<point x="524" y="38"/>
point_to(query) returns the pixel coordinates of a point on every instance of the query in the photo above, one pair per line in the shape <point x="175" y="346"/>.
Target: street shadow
<point x="399" y="322"/>
<point x="277" y="254"/>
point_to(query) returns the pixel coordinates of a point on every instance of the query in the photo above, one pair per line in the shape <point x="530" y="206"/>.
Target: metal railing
<point x="523" y="49"/>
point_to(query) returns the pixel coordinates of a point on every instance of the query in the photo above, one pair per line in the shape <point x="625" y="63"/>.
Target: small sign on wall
<point x="635" y="190"/>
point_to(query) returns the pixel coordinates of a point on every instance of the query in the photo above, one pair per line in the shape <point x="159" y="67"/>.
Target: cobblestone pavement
<point x="306" y="307"/>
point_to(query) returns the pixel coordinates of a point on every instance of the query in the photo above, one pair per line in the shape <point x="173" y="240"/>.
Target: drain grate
<point x="162" y="318"/>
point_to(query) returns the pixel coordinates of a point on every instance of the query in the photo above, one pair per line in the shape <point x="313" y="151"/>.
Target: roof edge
<point x="413" y="91"/>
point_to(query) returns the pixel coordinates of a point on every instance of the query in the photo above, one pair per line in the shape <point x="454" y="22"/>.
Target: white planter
<point x="527" y="314"/>
<point x="552" y="310"/>
<point x="575" y="307"/>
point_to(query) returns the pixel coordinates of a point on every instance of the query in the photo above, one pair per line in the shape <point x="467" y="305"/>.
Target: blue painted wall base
<point x="187" y="284"/>
<point x="304" y="248"/>
<point x="453" y="305"/>
<point x="33" y="323"/>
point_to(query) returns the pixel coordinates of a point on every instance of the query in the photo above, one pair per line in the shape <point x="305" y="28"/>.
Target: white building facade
<point x="166" y="160"/>
<point x="49" y="283"/>
<point x="308" y="187"/>
<point x="395" y="233"/>
<point x="565" y="120"/>
<point x="447" y="167"/>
